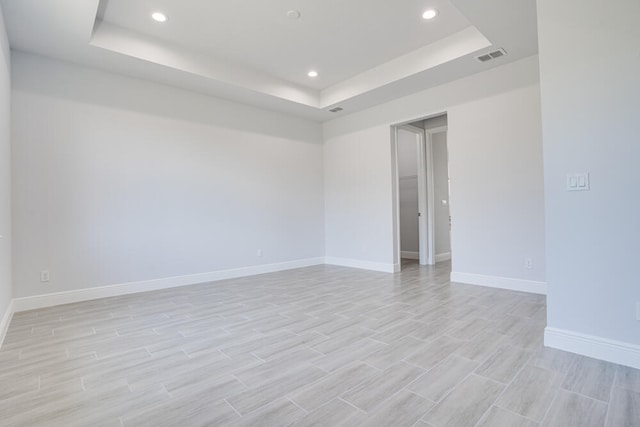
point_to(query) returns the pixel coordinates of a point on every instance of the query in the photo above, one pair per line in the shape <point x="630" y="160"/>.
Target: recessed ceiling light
<point x="159" y="17"/>
<point x="430" y="13"/>
<point x="293" y="14"/>
<point x="312" y="74"/>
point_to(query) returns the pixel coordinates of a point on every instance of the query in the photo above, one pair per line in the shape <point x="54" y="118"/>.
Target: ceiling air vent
<point x="336" y="109"/>
<point x="491" y="55"/>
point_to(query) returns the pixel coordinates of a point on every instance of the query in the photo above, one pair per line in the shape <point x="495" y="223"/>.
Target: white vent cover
<point x="491" y="55"/>
<point x="336" y="109"/>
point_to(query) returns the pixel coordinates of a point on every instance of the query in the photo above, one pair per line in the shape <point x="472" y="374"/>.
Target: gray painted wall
<point x="494" y="135"/>
<point x="124" y="180"/>
<point x="590" y="68"/>
<point x="5" y="173"/>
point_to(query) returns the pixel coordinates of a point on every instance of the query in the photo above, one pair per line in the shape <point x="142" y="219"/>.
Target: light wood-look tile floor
<point x="315" y="346"/>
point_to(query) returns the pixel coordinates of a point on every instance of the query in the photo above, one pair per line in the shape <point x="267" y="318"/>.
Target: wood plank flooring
<point x="318" y="346"/>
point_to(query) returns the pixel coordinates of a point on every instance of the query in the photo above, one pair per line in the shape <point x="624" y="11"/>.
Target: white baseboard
<point x="619" y="352"/>
<point x="409" y="255"/>
<point x="500" y="282"/>
<point x="4" y="323"/>
<point x="365" y="265"/>
<point x="49" y="300"/>
<point x="445" y="256"/>
<point x="67" y="297"/>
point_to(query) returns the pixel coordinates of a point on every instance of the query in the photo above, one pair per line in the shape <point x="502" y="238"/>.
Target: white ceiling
<point x="366" y="51"/>
<point x="336" y="37"/>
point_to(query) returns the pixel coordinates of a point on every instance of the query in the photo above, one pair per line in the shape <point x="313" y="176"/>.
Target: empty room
<point x="319" y="213"/>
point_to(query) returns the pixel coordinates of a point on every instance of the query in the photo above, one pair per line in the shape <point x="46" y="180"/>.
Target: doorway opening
<point x="421" y="190"/>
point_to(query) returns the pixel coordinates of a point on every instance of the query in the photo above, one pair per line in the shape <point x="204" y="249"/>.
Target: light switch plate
<point x="578" y="182"/>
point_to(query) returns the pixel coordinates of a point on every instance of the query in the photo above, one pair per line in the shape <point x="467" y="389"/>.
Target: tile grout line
<point x="480" y="363"/>
<point x="613" y="384"/>
<point x="555" y="397"/>
<point x="352" y="405"/>
<point x="296" y="405"/>
<point x="486" y="413"/>
<point x="232" y="407"/>
<point x="515" y="413"/>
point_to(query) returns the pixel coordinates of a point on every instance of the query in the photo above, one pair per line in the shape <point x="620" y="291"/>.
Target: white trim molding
<point x="6" y="320"/>
<point x="48" y="300"/>
<point x="513" y="284"/>
<point x="619" y="352"/>
<point x="364" y="265"/>
<point x="410" y="254"/>
<point x="445" y="256"/>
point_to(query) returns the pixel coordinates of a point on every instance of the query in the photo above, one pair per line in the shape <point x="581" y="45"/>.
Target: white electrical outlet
<point x="44" y="276"/>
<point x="259" y="252"/>
<point x="528" y="263"/>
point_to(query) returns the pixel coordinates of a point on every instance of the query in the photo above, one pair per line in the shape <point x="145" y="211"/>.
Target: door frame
<point x="431" y="191"/>
<point x="426" y="192"/>
<point x="425" y="220"/>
